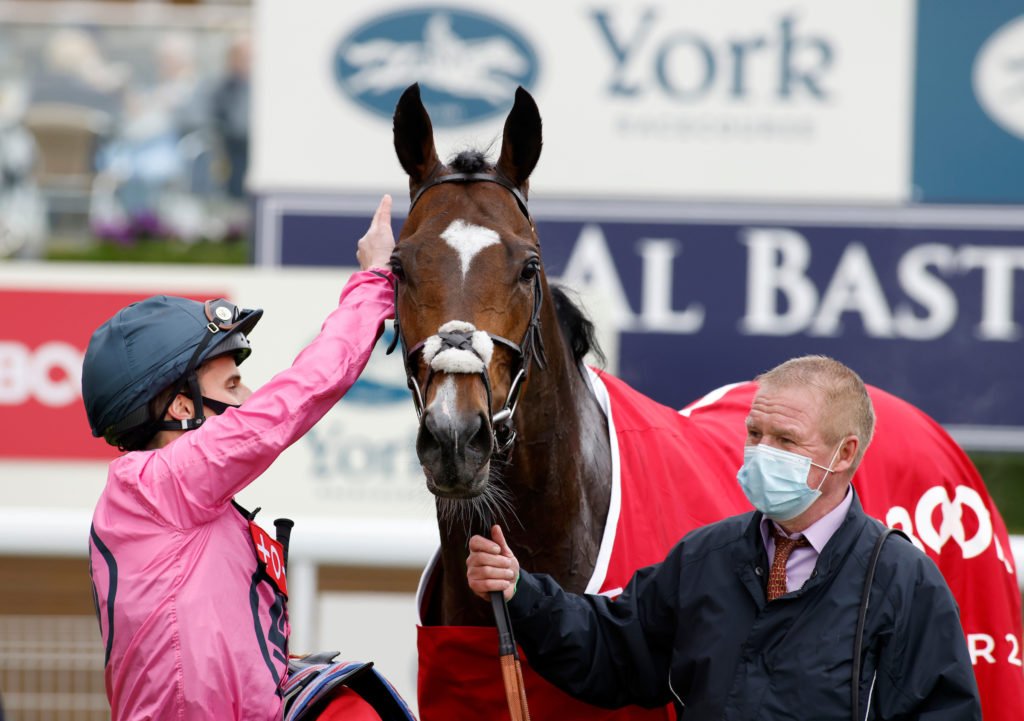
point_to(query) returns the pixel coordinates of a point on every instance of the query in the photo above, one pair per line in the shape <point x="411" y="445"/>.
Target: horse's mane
<point x="578" y="328"/>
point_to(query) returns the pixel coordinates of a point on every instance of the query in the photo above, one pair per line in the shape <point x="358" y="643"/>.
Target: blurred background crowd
<point x="121" y="131"/>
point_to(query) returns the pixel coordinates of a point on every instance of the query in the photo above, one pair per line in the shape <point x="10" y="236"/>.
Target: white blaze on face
<point x="444" y="399"/>
<point x="468" y="240"/>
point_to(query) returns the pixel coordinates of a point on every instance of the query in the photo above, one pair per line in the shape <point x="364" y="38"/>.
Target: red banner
<point x="43" y="337"/>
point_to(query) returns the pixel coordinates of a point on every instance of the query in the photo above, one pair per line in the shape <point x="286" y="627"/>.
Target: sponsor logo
<point x="51" y="374"/>
<point x="998" y="77"/>
<point x="785" y="298"/>
<point x="42" y="344"/>
<point x="761" y="84"/>
<point x="467" y="64"/>
<point x="940" y="519"/>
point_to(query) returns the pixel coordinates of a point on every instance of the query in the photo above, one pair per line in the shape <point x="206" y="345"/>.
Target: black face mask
<point x="218" y="407"/>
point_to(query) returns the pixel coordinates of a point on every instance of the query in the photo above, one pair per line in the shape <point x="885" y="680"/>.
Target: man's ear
<point x="181" y="408"/>
<point x="847" y="452"/>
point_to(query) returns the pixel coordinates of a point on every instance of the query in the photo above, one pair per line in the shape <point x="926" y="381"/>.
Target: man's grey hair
<point x="846" y="406"/>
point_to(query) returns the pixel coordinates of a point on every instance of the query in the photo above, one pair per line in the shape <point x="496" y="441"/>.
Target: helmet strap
<point x="218" y="407"/>
<point x="190" y="383"/>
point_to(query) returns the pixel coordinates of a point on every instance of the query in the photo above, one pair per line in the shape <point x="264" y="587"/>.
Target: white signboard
<point x="732" y="99"/>
<point x="359" y="462"/>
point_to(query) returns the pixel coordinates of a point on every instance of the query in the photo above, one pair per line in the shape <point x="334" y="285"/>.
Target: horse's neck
<point x="559" y="480"/>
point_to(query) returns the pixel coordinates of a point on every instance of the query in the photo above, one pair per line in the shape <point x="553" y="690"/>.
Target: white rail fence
<point x="62" y="678"/>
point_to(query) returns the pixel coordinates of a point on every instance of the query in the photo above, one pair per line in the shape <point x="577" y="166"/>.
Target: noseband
<point x="457" y="340"/>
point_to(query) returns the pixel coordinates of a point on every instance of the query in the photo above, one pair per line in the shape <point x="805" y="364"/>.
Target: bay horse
<point x="589" y="479"/>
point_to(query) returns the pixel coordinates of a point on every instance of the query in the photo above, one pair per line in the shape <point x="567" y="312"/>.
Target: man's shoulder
<point x="904" y="558"/>
<point x="716" y="537"/>
<point x="903" y="568"/>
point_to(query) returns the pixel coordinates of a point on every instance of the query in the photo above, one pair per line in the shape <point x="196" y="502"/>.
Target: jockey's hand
<point x="491" y="565"/>
<point x="375" y="247"/>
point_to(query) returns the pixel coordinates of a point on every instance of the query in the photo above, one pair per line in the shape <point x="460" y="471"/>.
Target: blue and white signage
<point x="930" y="308"/>
<point x="468" y="64"/>
<point x="736" y="99"/>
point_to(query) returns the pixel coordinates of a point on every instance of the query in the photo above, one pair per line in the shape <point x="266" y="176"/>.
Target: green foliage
<point x="1004" y="477"/>
<point x="155" y="250"/>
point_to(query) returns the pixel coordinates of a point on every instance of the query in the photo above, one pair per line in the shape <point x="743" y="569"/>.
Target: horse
<point x="513" y="426"/>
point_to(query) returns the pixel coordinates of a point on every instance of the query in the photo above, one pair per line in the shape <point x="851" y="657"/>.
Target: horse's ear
<point x="414" y="137"/>
<point x="520" y="145"/>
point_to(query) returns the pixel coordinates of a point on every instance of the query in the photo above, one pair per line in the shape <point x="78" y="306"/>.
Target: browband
<point x="474" y="178"/>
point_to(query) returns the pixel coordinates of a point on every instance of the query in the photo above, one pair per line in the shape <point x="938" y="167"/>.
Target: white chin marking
<point x="468" y="240"/>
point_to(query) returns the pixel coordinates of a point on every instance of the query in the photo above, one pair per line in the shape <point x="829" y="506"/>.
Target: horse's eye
<point x="396" y="268"/>
<point x="530" y="270"/>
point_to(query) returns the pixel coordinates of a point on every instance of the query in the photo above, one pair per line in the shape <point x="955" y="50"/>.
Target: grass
<point x="154" y="250"/>
<point x="1004" y="478"/>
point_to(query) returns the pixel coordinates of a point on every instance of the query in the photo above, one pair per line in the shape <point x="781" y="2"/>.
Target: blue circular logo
<point x="468" y="65"/>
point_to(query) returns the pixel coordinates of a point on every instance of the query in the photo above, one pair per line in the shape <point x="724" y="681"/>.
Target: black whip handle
<point x="283" y="528"/>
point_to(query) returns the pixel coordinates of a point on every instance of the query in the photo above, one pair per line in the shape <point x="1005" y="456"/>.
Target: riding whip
<point x="283" y="530"/>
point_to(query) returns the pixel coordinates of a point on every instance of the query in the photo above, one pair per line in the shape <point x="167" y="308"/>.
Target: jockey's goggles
<point x="222" y="314"/>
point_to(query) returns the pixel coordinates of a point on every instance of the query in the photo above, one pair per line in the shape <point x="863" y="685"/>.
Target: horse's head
<point x="469" y="295"/>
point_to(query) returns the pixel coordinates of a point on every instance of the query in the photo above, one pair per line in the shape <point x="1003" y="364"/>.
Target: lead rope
<point x="511" y="668"/>
<point x="508" y="655"/>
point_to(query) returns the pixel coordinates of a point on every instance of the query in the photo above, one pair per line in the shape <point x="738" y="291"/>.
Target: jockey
<point x="190" y="592"/>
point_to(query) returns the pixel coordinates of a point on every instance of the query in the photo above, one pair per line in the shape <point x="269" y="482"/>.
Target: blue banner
<point x="932" y="314"/>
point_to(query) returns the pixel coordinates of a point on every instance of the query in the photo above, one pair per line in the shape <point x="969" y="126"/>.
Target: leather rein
<point x="530" y="349"/>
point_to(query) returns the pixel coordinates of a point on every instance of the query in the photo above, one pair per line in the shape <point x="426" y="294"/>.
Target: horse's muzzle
<point x="455" y="452"/>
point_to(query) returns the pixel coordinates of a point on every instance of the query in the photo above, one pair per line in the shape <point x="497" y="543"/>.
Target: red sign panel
<point x="43" y="337"/>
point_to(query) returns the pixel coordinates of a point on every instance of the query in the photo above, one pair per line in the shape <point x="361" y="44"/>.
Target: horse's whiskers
<point x="477" y="514"/>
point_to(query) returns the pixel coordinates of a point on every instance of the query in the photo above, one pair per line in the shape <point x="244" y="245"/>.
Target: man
<point x="755" y="616"/>
<point x="189" y="591"/>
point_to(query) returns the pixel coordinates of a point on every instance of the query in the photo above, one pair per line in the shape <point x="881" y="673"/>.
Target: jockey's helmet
<point x="149" y="347"/>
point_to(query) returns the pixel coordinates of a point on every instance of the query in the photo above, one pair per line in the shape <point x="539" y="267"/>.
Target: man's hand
<point x="491" y="565"/>
<point x="375" y="247"/>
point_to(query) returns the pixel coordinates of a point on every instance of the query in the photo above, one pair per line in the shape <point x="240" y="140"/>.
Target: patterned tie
<point x="777" y="576"/>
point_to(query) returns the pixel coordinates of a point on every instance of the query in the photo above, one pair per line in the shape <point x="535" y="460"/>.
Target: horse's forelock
<point x="470" y="161"/>
<point x="578" y="328"/>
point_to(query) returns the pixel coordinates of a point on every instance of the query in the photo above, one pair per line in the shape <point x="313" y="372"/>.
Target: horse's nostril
<point x="452" y="438"/>
<point x="480" y="438"/>
<point x="434" y="432"/>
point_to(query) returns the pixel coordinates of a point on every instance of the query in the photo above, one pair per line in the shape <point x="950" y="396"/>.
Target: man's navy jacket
<point x="697" y="630"/>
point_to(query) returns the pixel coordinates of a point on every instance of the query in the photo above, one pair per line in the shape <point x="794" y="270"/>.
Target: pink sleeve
<point x="189" y="481"/>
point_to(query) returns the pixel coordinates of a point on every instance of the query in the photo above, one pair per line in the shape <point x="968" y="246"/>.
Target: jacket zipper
<point x="673" y="691"/>
<point x="871" y="690"/>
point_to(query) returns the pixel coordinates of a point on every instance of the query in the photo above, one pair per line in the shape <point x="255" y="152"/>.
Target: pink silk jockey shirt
<point x="193" y="625"/>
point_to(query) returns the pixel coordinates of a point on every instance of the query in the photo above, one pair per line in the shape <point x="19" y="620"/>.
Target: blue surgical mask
<point x="775" y="481"/>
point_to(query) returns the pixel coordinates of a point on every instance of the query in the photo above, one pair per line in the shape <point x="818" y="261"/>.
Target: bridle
<point x="530" y="349"/>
